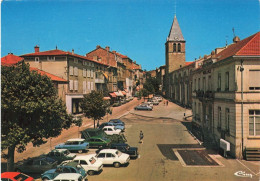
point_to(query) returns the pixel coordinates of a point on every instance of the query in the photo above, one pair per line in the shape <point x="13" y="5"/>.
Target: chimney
<point x="236" y="39"/>
<point x="72" y="51"/>
<point x="36" y="49"/>
<point x="107" y="48"/>
<point x="114" y="51"/>
<point x="98" y="46"/>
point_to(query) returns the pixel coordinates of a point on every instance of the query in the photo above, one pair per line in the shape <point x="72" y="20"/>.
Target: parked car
<point x="98" y="142"/>
<point x="148" y="104"/>
<point x="61" y="155"/>
<point x="155" y="102"/>
<point x="125" y="148"/>
<point x="64" y="167"/>
<point x="117" y="126"/>
<point x="110" y="130"/>
<point x="36" y="165"/>
<point x="113" y="157"/>
<point x="158" y="97"/>
<point x="143" y="107"/>
<point x="69" y="177"/>
<point x="15" y="176"/>
<point x="89" y="163"/>
<point x="76" y="144"/>
<point x="116" y="121"/>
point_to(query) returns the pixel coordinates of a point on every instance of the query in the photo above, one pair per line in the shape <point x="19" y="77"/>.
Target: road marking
<point x="243" y="174"/>
<point x="248" y="168"/>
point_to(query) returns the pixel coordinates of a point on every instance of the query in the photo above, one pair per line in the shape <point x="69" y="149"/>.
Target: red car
<point x="15" y="176"/>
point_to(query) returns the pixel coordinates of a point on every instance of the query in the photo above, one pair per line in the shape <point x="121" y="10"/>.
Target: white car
<point x="113" y="157"/>
<point x="89" y="163"/>
<point x="110" y="130"/>
<point x="69" y="177"/>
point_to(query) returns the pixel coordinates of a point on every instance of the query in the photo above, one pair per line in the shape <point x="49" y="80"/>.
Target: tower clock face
<point x="176" y="38"/>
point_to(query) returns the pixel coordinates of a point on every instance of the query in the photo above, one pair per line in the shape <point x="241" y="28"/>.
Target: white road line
<point x="247" y="168"/>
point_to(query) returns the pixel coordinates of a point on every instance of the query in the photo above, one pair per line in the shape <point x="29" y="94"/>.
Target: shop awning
<point x="105" y="75"/>
<point x="106" y="98"/>
<point x="112" y="94"/>
<point x="119" y="94"/>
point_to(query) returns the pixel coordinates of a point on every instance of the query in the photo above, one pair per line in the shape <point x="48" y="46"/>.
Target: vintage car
<point x="143" y="107"/>
<point x="110" y="130"/>
<point x="64" y="167"/>
<point x="116" y="125"/>
<point x="89" y="163"/>
<point x="98" y="142"/>
<point x="15" y="176"/>
<point x="125" y="148"/>
<point x="116" y="121"/>
<point x="36" y="165"/>
<point x="113" y="157"/>
<point x="61" y="155"/>
<point x="76" y="144"/>
<point x="69" y="177"/>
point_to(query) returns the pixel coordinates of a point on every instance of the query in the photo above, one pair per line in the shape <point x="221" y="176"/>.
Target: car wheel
<point x="45" y="179"/>
<point x="117" y="164"/>
<point x="91" y="172"/>
<point x="80" y="151"/>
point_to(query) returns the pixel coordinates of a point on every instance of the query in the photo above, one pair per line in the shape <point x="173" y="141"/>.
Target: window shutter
<point x="75" y="85"/>
<point x="91" y="73"/>
<point x="92" y="86"/>
<point x="71" y="70"/>
<point x="254" y="78"/>
<point x="84" y="87"/>
<point x="88" y="86"/>
<point x="76" y="71"/>
<point x="88" y="73"/>
<point x="71" y="84"/>
<point x="84" y="72"/>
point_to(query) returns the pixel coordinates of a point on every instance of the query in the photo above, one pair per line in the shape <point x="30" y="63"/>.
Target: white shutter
<point x="91" y="73"/>
<point x="75" y="85"/>
<point x="92" y="86"/>
<point x="76" y="71"/>
<point x="84" y="87"/>
<point x="88" y="88"/>
<point x="71" y="70"/>
<point x="88" y="73"/>
<point x="71" y="84"/>
<point x="84" y="72"/>
<point x="254" y="78"/>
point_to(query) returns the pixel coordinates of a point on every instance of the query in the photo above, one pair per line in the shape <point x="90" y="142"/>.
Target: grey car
<point x="144" y="107"/>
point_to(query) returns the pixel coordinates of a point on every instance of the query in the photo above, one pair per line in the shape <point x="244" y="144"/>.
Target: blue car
<point x="116" y="125"/>
<point x="117" y="121"/>
<point x="76" y="144"/>
<point x="66" y="167"/>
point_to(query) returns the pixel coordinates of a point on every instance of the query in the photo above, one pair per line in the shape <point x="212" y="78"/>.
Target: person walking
<point x="141" y="137"/>
<point x="166" y="103"/>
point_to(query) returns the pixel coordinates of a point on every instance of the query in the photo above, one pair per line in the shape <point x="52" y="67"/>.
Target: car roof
<point x="108" y="151"/>
<point x="68" y="176"/>
<point x="108" y="126"/>
<point x="76" y="139"/>
<point x="71" y="164"/>
<point x="84" y="157"/>
<point x="59" y="150"/>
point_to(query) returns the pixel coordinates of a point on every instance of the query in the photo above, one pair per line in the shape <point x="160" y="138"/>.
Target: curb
<point x="154" y="117"/>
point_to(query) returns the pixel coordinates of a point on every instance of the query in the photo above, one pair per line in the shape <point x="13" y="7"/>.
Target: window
<point x="227" y="120"/>
<point x="101" y="155"/>
<point x="179" y="47"/>
<point x="75" y="85"/>
<point x="209" y="83"/>
<point x="76" y="71"/>
<point x="174" y="47"/>
<point x="219" y="82"/>
<point x="71" y="70"/>
<point x="84" y="72"/>
<point x="110" y="155"/>
<point x="254" y="83"/>
<point x="254" y="122"/>
<point x="76" y="60"/>
<point x="71" y="84"/>
<point x="88" y="88"/>
<point x="204" y="84"/>
<point x="199" y="83"/>
<point x="51" y="58"/>
<point x="195" y="84"/>
<point x="91" y="73"/>
<point x="92" y="86"/>
<point x="83" y="162"/>
<point x="219" y="117"/>
<point x="84" y="87"/>
<point x="37" y="59"/>
<point x="88" y="72"/>
<point x="227" y="81"/>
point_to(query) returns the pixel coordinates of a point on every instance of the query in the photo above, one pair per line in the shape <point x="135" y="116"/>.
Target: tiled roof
<point x="188" y="63"/>
<point x="249" y="46"/>
<point x="10" y="60"/>
<point x="51" y="76"/>
<point x="60" y="52"/>
<point x="122" y="56"/>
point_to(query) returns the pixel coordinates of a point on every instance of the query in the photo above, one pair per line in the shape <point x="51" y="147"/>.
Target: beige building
<point x="226" y="95"/>
<point x="83" y="74"/>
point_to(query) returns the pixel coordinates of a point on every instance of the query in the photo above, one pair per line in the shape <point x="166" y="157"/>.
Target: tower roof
<point x="175" y="33"/>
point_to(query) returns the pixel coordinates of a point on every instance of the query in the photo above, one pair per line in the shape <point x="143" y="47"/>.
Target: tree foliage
<point x="31" y="110"/>
<point x="152" y="85"/>
<point x="93" y="106"/>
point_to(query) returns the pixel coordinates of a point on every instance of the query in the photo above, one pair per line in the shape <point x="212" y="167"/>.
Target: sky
<point x="136" y="28"/>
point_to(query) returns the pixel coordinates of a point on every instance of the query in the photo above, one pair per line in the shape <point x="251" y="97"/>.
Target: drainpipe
<point x="242" y="107"/>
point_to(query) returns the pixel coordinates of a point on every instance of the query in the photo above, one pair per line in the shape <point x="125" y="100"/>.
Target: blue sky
<point x="136" y="28"/>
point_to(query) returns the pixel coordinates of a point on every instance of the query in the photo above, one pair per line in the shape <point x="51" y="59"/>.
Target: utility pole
<point x="242" y="107"/>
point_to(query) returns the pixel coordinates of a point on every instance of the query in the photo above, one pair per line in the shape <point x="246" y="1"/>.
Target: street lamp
<point x="242" y="107"/>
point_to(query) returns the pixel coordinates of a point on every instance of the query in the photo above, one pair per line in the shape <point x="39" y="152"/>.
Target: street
<point x="169" y="151"/>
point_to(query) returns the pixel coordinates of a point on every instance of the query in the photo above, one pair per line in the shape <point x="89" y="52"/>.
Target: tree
<point x="152" y="85"/>
<point x="93" y="106"/>
<point x="31" y="110"/>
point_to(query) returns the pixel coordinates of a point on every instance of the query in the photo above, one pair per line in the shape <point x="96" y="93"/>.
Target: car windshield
<point x="49" y="160"/>
<point x="92" y="160"/>
<point x="119" y="153"/>
<point x="66" y="152"/>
